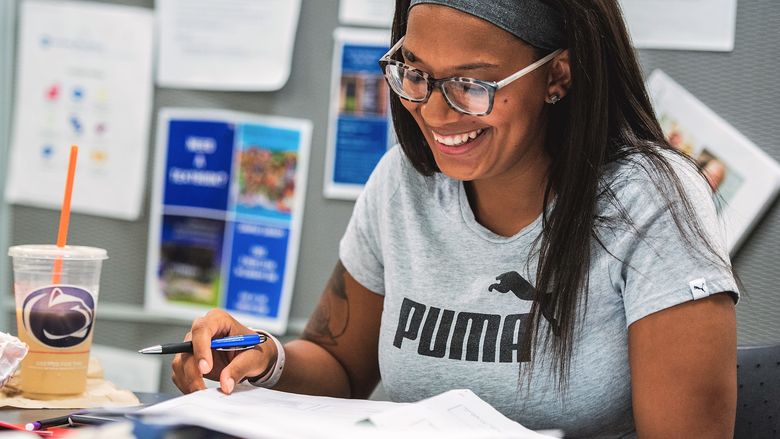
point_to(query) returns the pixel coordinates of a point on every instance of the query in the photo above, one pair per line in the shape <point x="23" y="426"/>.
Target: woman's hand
<point x="227" y="367"/>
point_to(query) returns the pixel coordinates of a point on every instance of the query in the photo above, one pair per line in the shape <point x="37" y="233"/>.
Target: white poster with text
<point x="84" y="76"/>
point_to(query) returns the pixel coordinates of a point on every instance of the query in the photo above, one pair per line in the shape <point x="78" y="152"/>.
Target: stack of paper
<point x="261" y="413"/>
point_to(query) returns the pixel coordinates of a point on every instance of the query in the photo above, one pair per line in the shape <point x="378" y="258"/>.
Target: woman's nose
<point x="436" y="111"/>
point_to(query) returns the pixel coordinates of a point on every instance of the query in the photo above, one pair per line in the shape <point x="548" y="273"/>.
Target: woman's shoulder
<point x="652" y="173"/>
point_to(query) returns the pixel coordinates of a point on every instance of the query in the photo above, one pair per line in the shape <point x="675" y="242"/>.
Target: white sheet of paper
<point x="748" y="179"/>
<point x="253" y="412"/>
<point x="377" y="13"/>
<point x="681" y="24"/>
<point x="456" y="410"/>
<point x="227" y="44"/>
<point x="84" y="77"/>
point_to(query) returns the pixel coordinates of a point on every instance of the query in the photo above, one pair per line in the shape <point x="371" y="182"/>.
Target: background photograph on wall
<point x="743" y="177"/>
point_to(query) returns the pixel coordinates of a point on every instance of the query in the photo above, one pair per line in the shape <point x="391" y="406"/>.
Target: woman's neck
<point x="507" y="203"/>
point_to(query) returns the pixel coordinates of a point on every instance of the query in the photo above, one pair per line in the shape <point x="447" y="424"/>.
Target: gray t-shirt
<point x="456" y="294"/>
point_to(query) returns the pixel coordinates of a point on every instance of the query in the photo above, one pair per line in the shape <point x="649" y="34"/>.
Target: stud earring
<point x="552" y="99"/>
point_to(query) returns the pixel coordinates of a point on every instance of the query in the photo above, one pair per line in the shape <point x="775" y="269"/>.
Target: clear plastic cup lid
<point x="49" y="251"/>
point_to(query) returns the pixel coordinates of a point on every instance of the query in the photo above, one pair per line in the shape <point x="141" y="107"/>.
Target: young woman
<point x="533" y="238"/>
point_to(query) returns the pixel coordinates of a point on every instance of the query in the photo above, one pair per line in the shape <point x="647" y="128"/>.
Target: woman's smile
<point x="459" y="143"/>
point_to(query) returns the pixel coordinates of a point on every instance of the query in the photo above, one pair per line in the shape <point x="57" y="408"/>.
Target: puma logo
<point x="523" y="290"/>
<point x="515" y="283"/>
<point x="699" y="288"/>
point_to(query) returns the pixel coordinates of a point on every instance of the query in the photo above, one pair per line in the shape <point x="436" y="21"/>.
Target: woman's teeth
<point x="457" y="139"/>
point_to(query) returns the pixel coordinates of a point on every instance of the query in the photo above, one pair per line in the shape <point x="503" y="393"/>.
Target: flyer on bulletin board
<point x="226" y="214"/>
<point x="359" y="125"/>
<point x="84" y="77"/>
<point x="225" y="45"/>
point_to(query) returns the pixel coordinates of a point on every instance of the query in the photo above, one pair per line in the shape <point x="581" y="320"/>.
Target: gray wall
<point x="7" y="14"/>
<point x="739" y="86"/>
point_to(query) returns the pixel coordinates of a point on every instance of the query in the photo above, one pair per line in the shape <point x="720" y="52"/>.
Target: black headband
<point x="530" y="20"/>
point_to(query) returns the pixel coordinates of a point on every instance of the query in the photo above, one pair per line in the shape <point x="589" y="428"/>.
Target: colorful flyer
<point x="84" y="77"/>
<point x="359" y="125"/>
<point x="226" y="214"/>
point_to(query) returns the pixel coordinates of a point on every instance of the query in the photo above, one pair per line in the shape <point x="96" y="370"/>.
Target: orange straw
<point x="62" y="234"/>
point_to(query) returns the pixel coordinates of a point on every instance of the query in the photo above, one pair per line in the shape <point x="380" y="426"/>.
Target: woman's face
<point x="445" y="42"/>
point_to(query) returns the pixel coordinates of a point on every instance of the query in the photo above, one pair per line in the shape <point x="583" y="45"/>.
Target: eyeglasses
<point x="465" y="95"/>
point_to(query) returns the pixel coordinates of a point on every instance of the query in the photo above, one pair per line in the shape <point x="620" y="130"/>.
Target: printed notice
<point x="226" y="214"/>
<point x="227" y="44"/>
<point x="681" y="24"/>
<point x="84" y="77"/>
<point x="377" y="13"/>
<point x="359" y="128"/>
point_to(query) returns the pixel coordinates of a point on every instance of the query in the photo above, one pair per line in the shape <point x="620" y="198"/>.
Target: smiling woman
<point x="529" y="163"/>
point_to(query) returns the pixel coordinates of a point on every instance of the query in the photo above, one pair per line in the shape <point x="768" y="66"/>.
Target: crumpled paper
<point x="12" y="351"/>
<point x="99" y="393"/>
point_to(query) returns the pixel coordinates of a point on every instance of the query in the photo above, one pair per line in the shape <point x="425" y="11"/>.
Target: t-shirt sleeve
<point x="360" y="249"/>
<point x="658" y="267"/>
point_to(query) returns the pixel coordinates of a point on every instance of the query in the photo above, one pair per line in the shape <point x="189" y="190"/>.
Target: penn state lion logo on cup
<point x="59" y="316"/>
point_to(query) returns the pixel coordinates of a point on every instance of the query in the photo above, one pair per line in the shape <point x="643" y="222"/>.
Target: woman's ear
<point x="559" y="77"/>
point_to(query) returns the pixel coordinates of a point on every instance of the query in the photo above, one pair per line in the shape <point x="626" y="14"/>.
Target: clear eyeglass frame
<point x="488" y="89"/>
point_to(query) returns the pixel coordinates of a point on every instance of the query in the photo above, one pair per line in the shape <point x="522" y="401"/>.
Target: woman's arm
<point x="341" y="338"/>
<point x="337" y="355"/>
<point x="684" y="370"/>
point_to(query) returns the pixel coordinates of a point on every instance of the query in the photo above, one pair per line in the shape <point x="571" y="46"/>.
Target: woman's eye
<point x="415" y="78"/>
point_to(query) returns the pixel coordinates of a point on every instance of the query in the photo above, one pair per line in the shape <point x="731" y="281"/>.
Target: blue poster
<point x="360" y="124"/>
<point x="227" y="214"/>
<point x="257" y="265"/>
<point x="198" y="164"/>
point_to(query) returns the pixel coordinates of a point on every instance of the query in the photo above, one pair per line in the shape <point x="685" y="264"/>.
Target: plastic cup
<point x="55" y="315"/>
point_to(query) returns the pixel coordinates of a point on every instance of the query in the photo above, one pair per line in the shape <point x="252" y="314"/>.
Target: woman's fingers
<point x="216" y="323"/>
<point x="249" y="363"/>
<point x="189" y="369"/>
<point x="186" y="375"/>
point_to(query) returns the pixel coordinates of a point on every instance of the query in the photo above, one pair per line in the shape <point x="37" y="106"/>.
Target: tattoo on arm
<point x="329" y="321"/>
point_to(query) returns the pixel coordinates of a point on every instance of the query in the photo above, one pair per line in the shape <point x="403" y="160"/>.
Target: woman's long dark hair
<point x="606" y="116"/>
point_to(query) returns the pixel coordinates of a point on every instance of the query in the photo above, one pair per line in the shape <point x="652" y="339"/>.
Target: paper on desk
<point x="12" y="351"/>
<point x="456" y="410"/>
<point x="261" y="413"/>
<point x="254" y="412"/>
<point x="99" y="393"/>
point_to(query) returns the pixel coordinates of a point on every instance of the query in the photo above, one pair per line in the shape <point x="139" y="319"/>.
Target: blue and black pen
<point x="232" y="343"/>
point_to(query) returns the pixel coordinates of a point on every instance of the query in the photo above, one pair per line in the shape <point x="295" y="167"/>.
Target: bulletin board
<point x="740" y="86"/>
